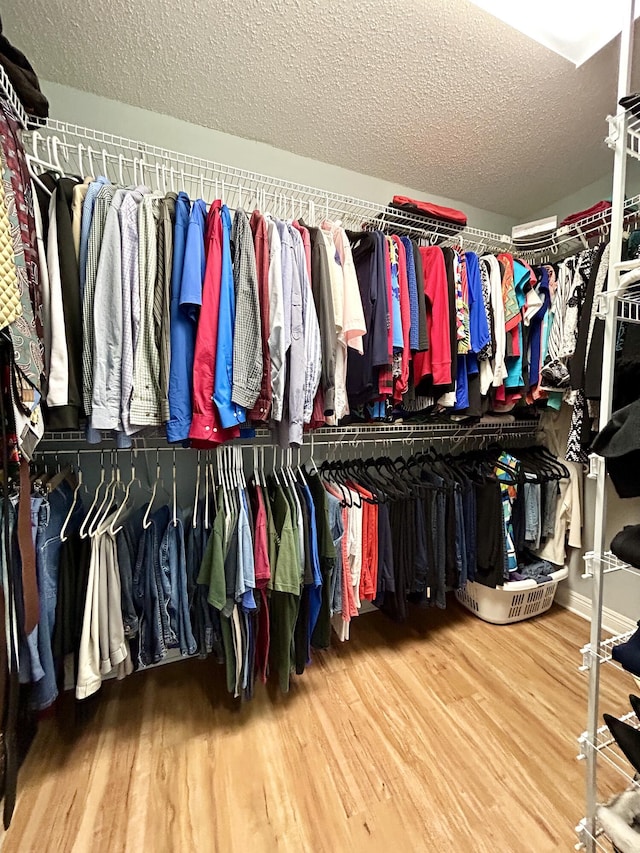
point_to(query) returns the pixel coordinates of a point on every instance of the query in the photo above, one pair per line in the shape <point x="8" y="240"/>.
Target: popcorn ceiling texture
<point x="431" y="94"/>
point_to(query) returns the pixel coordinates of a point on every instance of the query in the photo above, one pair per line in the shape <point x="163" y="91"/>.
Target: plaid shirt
<point x="247" y="334"/>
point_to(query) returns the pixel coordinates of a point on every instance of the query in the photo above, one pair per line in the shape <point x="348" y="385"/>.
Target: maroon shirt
<point x="262" y="407"/>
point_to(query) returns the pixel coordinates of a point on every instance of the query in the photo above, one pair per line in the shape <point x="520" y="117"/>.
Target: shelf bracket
<point x="596" y="466"/>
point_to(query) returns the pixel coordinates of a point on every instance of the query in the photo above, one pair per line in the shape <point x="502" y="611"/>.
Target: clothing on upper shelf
<point x="427" y="208"/>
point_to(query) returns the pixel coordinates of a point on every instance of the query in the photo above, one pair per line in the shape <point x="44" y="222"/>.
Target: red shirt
<point x="436" y="361"/>
<point x="206" y="428"/>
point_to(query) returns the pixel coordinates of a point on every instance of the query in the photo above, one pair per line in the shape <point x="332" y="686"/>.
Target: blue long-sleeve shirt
<point x="230" y="413"/>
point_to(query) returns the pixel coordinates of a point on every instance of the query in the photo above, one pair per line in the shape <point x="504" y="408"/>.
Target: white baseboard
<point x="614" y="622"/>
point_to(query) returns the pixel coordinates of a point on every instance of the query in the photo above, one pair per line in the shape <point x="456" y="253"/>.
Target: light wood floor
<point x="443" y="734"/>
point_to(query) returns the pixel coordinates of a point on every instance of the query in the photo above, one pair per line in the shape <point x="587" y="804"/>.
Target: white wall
<point x="82" y="108"/>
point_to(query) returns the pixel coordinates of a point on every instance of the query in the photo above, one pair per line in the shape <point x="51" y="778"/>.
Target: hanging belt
<point x="27" y="552"/>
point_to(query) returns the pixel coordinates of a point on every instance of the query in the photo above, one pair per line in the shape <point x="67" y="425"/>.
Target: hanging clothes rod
<point x="67" y="442"/>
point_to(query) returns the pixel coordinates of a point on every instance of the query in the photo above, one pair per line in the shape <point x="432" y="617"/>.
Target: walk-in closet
<point x="320" y="415"/>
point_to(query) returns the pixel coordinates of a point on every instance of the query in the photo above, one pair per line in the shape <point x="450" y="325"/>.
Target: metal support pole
<point x="615" y="252"/>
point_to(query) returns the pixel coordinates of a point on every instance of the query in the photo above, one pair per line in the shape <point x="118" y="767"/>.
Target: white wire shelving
<point x="605" y="747"/>
<point x="597" y="841"/>
<point x="617" y="125"/>
<point x="66" y="147"/>
<point x="618" y="303"/>
<point x="603" y="652"/>
<point x="608" y="562"/>
<point x="9" y="93"/>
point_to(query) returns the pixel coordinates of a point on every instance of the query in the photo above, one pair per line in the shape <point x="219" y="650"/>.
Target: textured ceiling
<point x="433" y="94"/>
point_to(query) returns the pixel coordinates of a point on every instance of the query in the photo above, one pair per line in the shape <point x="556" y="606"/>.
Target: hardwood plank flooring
<point x="441" y="734"/>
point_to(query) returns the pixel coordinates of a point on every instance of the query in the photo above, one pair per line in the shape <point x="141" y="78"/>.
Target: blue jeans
<point x="127" y="547"/>
<point x="174" y="567"/>
<point x="51" y="518"/>
<point x="147" y="594"/>
<point x="532" y="510"/>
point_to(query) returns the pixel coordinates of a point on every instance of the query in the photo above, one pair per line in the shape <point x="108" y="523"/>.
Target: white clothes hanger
<point x="146" y="523"/>
<point x="206" y="491"/>
<point x="74" y="502"/>
<point x="90" y="158"/>
<point x="106" y="503"/>
<point x="174" y="491"/>
<point x="84" y="531"/>
<point x="196" y="497"/>
<point x="113" y="530"/>
<point x="55" y="157"/>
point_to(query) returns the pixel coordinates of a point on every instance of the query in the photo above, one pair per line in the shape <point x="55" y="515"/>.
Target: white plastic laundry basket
<point x="512" y="602"/>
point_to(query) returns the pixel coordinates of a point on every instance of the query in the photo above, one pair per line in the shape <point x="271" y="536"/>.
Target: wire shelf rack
<point x="603" y="652"/>
<point x="628" y="305"/>
<point x="607" y="748"/>
<point x="600" y="840"/>
<point x="66" y="147"/>
<point x="9" y="93"/>
<point x="608" y="561"/>
<point x="633" y="132"/>
<point x="63" y="146"/>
